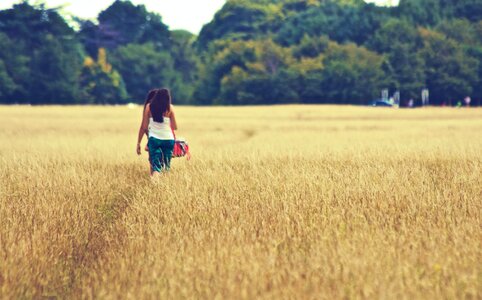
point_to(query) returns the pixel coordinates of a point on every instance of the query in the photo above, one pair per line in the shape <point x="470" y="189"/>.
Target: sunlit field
<point x="284" y="202"/>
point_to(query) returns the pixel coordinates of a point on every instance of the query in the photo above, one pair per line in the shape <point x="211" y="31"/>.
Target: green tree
<point x="476" y="52"/>
<point x="241" y="20"/>
<point x="186" y="63"/>
<point x="401" y="44"/>
<point x="351" y="74"/>
<point x="264" y="80"/>
<point x="464" y="9"/>
<point x="431" y="12"/>
<point x="469" y="38"/>
<point x="310" y="46"/>
<point x="460" y="30"/>
<point x="421" y="12"/>
<point x="124" y="23"/>
<point x="219" y="60"/>
<point x="55" y="70"/>
<point x="341" y="22"/>
<point x="310" y="74"/>
<point x="143" y="67"/>
<point x="127" y="23"/>
<point x="7" y="85"/>
<point x="450" y="73"/>
<point x="100" y="83"/>
<point x="13" y="70"/>
<point x="46" y="60"/>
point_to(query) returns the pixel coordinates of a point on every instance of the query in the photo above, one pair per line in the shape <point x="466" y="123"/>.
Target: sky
<point x="173" y="12"/>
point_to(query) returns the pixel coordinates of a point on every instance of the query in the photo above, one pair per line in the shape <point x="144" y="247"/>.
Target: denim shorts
<point x="160" y="154"/>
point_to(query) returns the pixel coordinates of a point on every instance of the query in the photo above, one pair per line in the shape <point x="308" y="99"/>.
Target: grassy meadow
<point x="283" y="202"/>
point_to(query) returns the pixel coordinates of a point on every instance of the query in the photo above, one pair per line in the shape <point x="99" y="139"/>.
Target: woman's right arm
<point x="143" y="112"/>
<point x="173" y="119"/>
<point x="144" y="128"/>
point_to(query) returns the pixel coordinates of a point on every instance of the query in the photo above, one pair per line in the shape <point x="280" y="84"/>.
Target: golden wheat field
<point x="283" y="202"/>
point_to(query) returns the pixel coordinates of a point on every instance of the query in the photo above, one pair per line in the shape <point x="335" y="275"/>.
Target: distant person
<point x="467" y="101"/>
<point x="158" y="122"/>
<point x="410" y="103"/>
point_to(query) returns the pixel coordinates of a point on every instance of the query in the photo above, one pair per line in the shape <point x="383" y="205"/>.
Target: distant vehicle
<point x="381" y="103"/>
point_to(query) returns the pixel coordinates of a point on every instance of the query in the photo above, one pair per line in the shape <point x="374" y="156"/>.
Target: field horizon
<point x="284" y="202"/>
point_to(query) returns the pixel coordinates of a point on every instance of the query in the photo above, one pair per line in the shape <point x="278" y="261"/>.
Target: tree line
<point x="252" y="52"/>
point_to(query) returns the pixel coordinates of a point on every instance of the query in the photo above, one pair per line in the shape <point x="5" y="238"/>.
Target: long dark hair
<point x="160" y="104"/>
<point x="149" y="97"/>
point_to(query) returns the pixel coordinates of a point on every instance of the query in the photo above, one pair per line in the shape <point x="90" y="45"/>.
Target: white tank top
<point x="161" y="131"/>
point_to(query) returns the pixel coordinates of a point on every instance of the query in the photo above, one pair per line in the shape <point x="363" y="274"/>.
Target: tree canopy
<point x="252" y="52"/>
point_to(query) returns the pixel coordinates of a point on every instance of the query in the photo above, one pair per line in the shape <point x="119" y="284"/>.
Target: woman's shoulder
<point x="170" y="112"/>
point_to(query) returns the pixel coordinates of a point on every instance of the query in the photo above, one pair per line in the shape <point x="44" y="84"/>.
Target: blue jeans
<point x="160" y="154"/>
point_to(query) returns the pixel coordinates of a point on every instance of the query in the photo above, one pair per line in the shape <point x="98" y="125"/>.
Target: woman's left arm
<point x="143" y="129"/>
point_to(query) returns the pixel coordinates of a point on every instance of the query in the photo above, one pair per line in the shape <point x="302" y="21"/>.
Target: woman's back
<point x="161" y="131"/>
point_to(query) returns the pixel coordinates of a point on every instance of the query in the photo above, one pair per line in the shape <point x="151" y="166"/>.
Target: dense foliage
<point x="252" y="52"/>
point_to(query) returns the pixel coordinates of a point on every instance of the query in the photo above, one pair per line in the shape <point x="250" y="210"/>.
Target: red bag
<point x="181" y="148"/>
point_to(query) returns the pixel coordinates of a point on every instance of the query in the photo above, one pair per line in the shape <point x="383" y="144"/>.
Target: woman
<point x="158" y="122"/>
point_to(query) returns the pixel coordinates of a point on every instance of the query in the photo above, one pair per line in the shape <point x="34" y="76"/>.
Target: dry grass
<point x="295" y="202"/>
